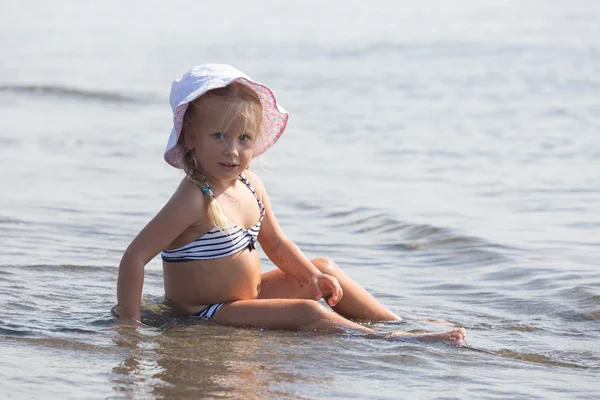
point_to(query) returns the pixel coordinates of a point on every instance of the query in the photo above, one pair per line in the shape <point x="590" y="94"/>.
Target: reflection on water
<point x="214" y="361"/>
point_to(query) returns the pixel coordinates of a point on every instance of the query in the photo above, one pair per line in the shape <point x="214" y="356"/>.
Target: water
<point x="445" y="155"/>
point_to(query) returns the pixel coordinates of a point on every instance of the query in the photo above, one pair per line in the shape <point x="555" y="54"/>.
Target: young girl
<point x="207" y="231"/>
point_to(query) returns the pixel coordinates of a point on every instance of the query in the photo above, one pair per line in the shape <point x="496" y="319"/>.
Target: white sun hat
<point x="203" y="78"/>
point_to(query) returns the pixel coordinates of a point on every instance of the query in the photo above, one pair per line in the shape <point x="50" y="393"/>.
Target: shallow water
<point x="445" y="155"/>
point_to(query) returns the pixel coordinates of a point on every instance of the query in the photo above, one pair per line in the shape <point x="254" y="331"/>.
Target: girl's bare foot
<point x="456" y="336"/>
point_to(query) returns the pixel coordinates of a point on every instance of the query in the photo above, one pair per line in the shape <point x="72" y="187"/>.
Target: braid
<point x="215" y="212"/>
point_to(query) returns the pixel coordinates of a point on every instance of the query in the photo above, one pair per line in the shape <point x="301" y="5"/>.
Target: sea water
<point x="444" y="154"/>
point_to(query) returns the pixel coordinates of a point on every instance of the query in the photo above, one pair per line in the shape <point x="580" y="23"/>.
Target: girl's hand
<point x="124" y="320"/>
<point x="327" y="284"/>
<point x="129" y="322"/>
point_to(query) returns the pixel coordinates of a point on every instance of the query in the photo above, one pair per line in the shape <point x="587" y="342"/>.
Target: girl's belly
<point x="193" y="285"/>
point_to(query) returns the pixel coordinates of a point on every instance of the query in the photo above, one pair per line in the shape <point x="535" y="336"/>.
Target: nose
<point x="231" y="149"/>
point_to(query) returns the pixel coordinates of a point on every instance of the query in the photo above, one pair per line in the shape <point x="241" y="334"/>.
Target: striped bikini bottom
<point x="209" y="311"/>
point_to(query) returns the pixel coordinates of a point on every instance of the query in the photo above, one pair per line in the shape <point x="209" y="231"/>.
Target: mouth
<point x="228" y="165"/>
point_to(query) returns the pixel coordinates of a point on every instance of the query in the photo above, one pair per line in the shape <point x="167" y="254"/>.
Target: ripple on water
<point x="584" y="296"/>
<point x="58" y="91"/>
<point x="385" y="233"/>
<point x="536" y="359"/>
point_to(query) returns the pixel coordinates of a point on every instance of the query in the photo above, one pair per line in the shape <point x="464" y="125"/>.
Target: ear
<point x="187" y="140"/>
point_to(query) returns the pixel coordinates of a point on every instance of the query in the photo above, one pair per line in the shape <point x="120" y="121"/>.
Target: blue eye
<point x="219" y="135"/>
<point x="244" y="138"/>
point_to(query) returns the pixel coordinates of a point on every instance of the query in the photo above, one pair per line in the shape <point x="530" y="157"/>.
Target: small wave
<point x="18" y="331"/>
<point x="70" y="267"/>
<point x="527" y="357"/>
<point x="72" y="330"/>
<point x="572" y="315"/>
<point x="509" y="274"/>
<point x="395" y="235"/>
<point x="69" y="92"/>
<point x="584" y="296"/>
<point x="522" y="328"/>
<point x="361" y="220"/>
<point x="12" y="221"/>
<point x="536" y="359"/>
<point x="63" y="344"/>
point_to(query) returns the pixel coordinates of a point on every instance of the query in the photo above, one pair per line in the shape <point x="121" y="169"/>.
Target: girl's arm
<point x="183" y="209"/>
<point x="286" y="255"/>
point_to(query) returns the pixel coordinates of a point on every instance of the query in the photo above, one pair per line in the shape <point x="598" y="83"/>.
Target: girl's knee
<point x="326" y="266"/>
<point x="312" y="310"/>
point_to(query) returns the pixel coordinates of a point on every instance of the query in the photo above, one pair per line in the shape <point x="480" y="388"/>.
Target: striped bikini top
<point x="216" y="243"/>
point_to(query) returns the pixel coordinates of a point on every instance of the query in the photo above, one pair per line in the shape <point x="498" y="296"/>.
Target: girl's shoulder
<point x="189" y="197"/>
<point x="255" y="182"/>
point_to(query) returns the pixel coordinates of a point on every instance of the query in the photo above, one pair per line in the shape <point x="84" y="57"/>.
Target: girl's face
<point x="223" y="137"/>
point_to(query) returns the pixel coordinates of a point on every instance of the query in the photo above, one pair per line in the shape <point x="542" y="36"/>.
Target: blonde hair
<point x="243" y="101"/>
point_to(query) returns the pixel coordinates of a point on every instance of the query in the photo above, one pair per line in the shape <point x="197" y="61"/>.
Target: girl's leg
<point x="356" y="302"/>
<point x="288" y="314"/>
<point x="300" y="314"/>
